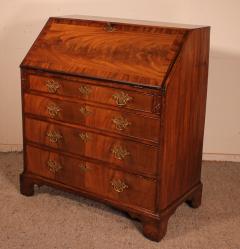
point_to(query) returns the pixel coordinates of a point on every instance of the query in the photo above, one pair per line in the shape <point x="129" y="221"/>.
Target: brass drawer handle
<point x="53" y="166"/>
<point x="122" y="98"/>
<point x="121" y="123"/>
<point x="85" y="90"/>
<point x="53" y="110"/>
<point x="52" y="86"/>
<point x="83" y="167"/>
<point x="54" y="137"/>
<point x="119" y="185"/>
<point x="109" y="27"/>
<point x="85" y="136"/>
<point x="85" y="111"/>
<point x="119" y="152"/>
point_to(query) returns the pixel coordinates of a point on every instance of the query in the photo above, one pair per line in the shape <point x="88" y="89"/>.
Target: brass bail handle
<point x="53" y="110"/>
<point x="54" y="166"/>
<point x="118" y="185"/>
<point x="119" y="152"/>
<point x="52" y="86"/>
<point x="121" y="98"/>
<point x="85" y="91"/>
<point x="121" y="123"/>
<point x="54" y="136"/>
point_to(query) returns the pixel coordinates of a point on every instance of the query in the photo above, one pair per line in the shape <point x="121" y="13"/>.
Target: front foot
<point x="156" y="229"/>
<point x="195" y="199"/>
<point x="26" y="185"/>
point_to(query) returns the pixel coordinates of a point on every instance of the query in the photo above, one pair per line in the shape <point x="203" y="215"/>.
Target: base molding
<point x="156" y="229"/>
<point x="154" y="224"/>
<point x="221" y="157"/>
<point x="11" y="147"/>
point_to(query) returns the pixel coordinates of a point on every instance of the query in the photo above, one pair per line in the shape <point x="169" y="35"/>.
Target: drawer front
<point x="116" y="185"/>
<point x="94" y="117"/>
<point x="133" y="156"/>
<point x="84" y="90"/>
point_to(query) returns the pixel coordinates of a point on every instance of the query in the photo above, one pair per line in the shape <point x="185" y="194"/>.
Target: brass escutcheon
<point x="83" y="167"/>
<point x="85" y="90"/>
<point x="119" y="185"/>
<point x="53" y="110"/>
<point x="52" y="86"/>
<point x="121" y="123"/>
<point x="85" y="136"/>
<point x="53" y="166"/>
<point x="85" y="111"/>
<point x="122" y="98"/>
<point x="119" y="152"/>
<point x="54" y="137"/>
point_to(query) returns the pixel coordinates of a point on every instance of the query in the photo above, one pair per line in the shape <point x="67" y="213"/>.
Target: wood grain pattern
<point x="140" y="56"/>
<point x="96" y="93"/>
<point x="150" y="90"/>
<point x="184" y="116"/>
<point x="96" y="117"/>
<point x="141" y="159"/>
<point x="97" y="179"/>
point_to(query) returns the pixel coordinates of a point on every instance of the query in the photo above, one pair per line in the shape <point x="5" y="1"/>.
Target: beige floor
<point x="53" y="219"/>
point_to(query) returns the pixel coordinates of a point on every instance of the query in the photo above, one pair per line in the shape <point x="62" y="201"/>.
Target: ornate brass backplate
<point x="85" y="90"/>
<point x="54" y="136"/>
<point x="53" y="166"/>
<point x="53" y="110"/>
<point x="119" y="152"/>
<point x="121" y="123"/>
<point x="118" y="185"/>
<point x="52" y="86"/>
<point x="121" y="98"/>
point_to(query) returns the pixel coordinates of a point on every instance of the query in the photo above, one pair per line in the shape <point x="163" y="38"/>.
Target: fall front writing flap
<point x="107" y="50"/>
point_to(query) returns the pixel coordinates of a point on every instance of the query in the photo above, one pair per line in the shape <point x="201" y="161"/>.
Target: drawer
<point x="109" y="183"/>
<point x="132" y="156"/>
<point x="100" y="94"/>
<point x="128" y="124"/>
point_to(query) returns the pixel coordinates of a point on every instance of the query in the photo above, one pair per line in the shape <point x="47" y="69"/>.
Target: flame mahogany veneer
<point x="114" y="110"/>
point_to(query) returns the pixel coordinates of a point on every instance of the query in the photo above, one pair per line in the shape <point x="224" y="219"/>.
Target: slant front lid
<point x="139" y="54"/>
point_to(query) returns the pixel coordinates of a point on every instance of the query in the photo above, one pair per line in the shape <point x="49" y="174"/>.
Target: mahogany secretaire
<point x="114" y="110"/>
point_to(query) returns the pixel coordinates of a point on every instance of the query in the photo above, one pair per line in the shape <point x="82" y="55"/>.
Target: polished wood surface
<point x="92" y="116"/>
<point x="184" y="116"/>
<point x="134" y="54"/>
<point x="92" y="92"/>
<point x="94" y="178"/>
<point x="141" y="158"/>
<point x="115" y="112"/>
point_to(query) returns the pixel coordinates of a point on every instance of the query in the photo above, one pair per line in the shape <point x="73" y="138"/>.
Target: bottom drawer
<point x="110" y="183"/>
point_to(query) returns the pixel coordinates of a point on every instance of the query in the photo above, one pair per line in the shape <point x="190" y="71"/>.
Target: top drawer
<point x="100" y="94"/>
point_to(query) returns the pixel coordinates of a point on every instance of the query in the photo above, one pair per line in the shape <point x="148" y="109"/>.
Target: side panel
<point x="184" y="117"/>
<point x="24" y="86"/>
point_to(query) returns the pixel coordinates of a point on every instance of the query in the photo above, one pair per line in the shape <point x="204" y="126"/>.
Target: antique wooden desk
<point x="114" y="110"/>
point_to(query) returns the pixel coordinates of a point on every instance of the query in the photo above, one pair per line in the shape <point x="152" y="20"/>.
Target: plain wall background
<point x="21" y="22"/>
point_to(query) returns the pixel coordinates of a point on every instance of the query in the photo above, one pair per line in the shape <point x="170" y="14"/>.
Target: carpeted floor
<point x="53" y="219"/>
